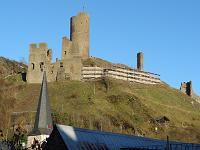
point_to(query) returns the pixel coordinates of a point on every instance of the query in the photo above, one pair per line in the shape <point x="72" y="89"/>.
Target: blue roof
<point x="76" y="138"/>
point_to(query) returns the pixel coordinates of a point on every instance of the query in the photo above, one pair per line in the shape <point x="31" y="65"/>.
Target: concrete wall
<point x="89" y="73"/>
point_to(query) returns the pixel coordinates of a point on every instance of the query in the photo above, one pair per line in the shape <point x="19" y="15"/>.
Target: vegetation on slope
<point x="94" y="61"/>
<point x="112" y="105"/>
<point x="108" y="105"/>
<point x="10" y="67"/>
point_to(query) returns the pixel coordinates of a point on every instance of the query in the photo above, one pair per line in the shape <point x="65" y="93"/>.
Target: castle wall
<point x="39" y="61"/>
<point x="73" y="68"/>
<point x="79" y="34"/>
<point x="66" y="48"/>
<point x="52" y="71"/>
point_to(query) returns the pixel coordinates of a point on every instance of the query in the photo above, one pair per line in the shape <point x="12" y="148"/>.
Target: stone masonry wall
<point x="39" y="61"/>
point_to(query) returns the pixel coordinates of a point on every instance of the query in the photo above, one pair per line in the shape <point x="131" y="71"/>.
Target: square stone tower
<point x="40" y="58"/>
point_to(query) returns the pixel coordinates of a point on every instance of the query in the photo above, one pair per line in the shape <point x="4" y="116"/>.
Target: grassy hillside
<point x="116" y="106"/>
<point x="94" y="61"/>
<point x="108" y="105"/>
<point x="10" y="67"/>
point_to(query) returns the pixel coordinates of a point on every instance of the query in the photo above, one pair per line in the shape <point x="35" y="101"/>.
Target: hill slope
<point x="108" y="105"/>
<point x="124" y="107"/>
<point x="10" y="67"/>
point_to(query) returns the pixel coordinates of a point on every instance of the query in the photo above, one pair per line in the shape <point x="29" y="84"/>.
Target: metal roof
<point x="76" y="138"/>
<point x="43" y="120"/>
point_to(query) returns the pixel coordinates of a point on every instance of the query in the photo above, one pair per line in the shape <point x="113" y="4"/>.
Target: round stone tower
<point x="79" y="34"/>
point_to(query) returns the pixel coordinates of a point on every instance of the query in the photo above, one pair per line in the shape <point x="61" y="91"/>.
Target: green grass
<point x="109" y="105"/>
<point x="117" y="106"/>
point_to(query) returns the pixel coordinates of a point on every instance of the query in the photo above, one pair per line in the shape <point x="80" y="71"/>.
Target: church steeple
<point x="43" y="120"/>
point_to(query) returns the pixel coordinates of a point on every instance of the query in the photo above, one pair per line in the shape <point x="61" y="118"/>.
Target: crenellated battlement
<point x="43" y="46"/>
<point x="37" y="47"/>
<point x="33" y="46"/>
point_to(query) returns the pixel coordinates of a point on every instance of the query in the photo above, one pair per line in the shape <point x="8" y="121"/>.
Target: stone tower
<point x="79" y="34"/>
<point x="40" y="58"/>
<point x="140" y="61"/>
<point x="74" y="50"/>
<point x="186" y="87"/>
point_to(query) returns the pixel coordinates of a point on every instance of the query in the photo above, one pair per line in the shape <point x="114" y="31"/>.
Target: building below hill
<point x="74" y="52"/>
<point x="71" y="138"/>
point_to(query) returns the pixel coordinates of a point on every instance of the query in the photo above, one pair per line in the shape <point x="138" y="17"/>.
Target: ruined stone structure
<point x="186" y="87"/>
<point x="74" y="51"/>
<point x="140" y="61"/>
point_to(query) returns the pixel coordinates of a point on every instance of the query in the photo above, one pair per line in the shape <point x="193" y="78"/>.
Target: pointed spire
<point x="43" y="120"/>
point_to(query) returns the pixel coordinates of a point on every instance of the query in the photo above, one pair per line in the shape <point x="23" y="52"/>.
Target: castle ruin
<point x="186" y="87"/>
<point x="74" y="52"/>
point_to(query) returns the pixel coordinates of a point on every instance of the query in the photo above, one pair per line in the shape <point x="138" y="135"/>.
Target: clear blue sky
<point x="167" y="31"/>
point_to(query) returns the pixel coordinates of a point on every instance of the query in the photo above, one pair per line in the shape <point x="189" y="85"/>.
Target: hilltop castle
<point x="74" y="52"/>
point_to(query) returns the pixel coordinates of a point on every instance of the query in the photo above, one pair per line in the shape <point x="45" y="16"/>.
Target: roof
<point x="43" y="120"/>
<point x="74" y="138"/>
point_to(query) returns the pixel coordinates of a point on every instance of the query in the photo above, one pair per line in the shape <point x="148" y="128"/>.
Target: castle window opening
<point x="65" y="52"/>
<point x="33" y="66"/>
<point x="48" y="52"/>
<point x="42" y="66"/>
<point x="61" y="64"/>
